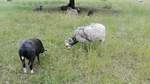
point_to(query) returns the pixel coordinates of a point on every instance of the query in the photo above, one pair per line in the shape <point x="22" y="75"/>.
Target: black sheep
<point x="91" y="12"/>
<point x="29" y="50"/>
<point x="40" y="8"/>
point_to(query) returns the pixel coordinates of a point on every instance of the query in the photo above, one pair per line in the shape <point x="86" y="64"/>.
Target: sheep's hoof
<point x="24" y="70"/>
<point x="32" y="71"/>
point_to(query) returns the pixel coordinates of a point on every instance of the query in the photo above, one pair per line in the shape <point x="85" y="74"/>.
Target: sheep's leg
<point x="38" y="59"/>
<point x="85" y="47"/>
<point x="23" y="64"/>
<point x="31" y="64"/>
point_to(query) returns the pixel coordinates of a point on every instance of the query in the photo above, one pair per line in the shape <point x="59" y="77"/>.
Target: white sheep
<point x="90" y="33"/>
<point x="71" y="11"/>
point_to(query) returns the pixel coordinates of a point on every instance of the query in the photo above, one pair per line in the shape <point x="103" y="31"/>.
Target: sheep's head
<point x="43" y="49"/>
<point x="70" y="42"/>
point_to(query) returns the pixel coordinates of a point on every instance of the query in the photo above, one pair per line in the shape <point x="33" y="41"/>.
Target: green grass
<point x="122" y="59"/>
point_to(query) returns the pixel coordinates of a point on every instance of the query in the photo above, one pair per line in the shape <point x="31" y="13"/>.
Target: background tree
<point x="71" y="4"/>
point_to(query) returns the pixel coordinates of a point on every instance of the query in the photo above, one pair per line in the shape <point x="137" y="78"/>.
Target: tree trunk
<point x="71" y="4"/>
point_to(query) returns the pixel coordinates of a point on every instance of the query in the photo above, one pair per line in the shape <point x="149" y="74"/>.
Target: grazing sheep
<point x="40" y="8"/>
<point x="91" y="12"/>
<point x="30" y="49"/>
<point x="92" y="32"/>
<point x="71" y="11"/>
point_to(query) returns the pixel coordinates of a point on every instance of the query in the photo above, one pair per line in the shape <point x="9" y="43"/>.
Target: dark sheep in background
<point x="9" y="0"/>
<point x="40" y="8"/>
<point x="30" y="49"/>
<point x="90" y="12"/>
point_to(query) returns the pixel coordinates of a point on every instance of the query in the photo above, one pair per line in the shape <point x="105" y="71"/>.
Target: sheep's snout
<point x="67" y="44"/>
<point x="68" y="47"/>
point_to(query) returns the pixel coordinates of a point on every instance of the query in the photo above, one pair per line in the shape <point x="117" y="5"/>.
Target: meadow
<point x="124" y="57"/>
